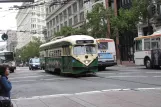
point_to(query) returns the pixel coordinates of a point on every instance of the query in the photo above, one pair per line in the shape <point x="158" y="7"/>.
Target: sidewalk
<point x="106" y="98"/>
<point x="127" y="64"/>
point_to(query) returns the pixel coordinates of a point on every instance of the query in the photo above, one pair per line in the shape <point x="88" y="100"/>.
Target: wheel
<point x="148" y="64"/>
<point x="29" y="68"/>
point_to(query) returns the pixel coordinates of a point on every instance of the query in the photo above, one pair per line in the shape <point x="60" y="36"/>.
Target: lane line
<point x="31" y="77"/>
<point x="153" y="72"/>
<point x="127" y="76"/>
<point x="84" y="93"/>
<point x="39" y="80"/>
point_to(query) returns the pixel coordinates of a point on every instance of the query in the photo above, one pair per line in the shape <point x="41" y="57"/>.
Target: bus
<point x="7" y="58"/>
<point x="75" y="54"/>
<point x="148" y="51"/>
<point x="106" y="53"/>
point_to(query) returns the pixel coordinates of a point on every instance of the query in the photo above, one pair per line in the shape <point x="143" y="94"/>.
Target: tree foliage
<point x="127" y="19"/>
<point x="97" y="21"/>
<point x="67" y="30"/>
<point x="30" y="50"/>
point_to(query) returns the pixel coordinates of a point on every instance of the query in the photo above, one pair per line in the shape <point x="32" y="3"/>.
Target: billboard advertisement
<point x="16" y="0"/>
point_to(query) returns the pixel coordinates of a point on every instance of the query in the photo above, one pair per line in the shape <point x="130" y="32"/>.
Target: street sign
<point x="16" y="1"/>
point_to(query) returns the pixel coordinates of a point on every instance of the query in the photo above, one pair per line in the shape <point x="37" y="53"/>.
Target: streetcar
<point x="148" y="51"/>
<point x="75" y="54"/>
<point x="106" y="53"/>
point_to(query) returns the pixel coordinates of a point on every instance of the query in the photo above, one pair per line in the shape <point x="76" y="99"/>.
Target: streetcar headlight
<point x="87" y="61"/>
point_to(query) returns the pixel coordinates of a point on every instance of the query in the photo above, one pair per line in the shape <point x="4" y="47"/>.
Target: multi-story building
<point x="30" y="23"/>
<point x="12" y="40"/>
<point x="70" y="14"/>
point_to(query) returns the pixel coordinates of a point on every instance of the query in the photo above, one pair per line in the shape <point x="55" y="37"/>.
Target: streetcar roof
<point x="146" y="37"/>
<point x="72" y="39"/>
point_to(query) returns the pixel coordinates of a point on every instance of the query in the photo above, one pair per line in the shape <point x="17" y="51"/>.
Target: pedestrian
<point x="6" y="85"/>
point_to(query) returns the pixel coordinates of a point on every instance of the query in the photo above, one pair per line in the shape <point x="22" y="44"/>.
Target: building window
<point x="33" y="20"/>
<point x="33" y="13"/>
<point x="57" y="28"/>
<point x="48" y="25"/>
<point x="75" y="7"/>
<point x="53" y="21"/>
<point x="69" y="11"/>
<point x="54" y="30"/>
<point x="75" y="19"/>
<point x="57" y="19"/>
<point x="82" y="16"/>
<point x="80" y="4"/>
<point x="61" y="26"/>
<point x="65" y="23"/>
<point x="61" y="16"/>
<point x="65" y="14"/>
<point x="70" y="22"/>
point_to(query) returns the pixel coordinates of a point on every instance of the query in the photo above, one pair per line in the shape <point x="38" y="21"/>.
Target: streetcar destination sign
<point x="16" y="0"/>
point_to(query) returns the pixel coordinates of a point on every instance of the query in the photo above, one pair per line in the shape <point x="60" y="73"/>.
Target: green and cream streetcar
<point x="74" y="54"/>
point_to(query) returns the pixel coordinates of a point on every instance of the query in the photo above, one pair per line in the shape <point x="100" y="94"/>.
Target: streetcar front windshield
<point x="84" y="49"/>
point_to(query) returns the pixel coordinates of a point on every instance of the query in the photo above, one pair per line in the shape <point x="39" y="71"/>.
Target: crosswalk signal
<point x="4" y="37"/>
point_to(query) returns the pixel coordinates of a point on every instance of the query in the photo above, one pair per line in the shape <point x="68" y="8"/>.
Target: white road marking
<point x="31" y="77"/>
<point x="40" y="80"/>
<point x="157" y="76"/>
<point x="153" y="72"/>
<point x="127" y="76"/>
<point x="84" y="93"/>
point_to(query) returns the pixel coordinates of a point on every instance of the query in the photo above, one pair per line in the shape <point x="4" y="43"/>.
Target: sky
<point x="7" y="17"/>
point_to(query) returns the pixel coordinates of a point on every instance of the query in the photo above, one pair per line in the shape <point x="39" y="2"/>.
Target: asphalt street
<point x="29" y="84"/>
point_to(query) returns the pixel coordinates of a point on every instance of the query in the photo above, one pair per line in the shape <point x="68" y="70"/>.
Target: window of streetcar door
<point x="138" y="45"/>
<point x="66" y="51"/>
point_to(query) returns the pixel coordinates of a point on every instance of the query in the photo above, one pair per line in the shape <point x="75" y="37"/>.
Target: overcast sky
<point x="7" y="17"/>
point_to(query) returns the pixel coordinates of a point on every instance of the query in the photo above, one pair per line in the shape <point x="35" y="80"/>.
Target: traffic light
<point x="4" y="36"/>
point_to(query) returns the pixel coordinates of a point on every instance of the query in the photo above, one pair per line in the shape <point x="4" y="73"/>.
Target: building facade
<point x="30" y="23"/>
<point x="12" y="40"/>
<point x="71" y="14"/>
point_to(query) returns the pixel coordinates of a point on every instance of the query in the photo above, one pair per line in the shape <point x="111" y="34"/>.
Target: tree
<point x="67" y="30"/>
<point x="30" y="50"/>
<point x="97" y="21"/>
<point x="127" y="19"/>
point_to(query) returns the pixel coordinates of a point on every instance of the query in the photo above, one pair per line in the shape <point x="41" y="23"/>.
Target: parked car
<point x="34" y="63"/>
